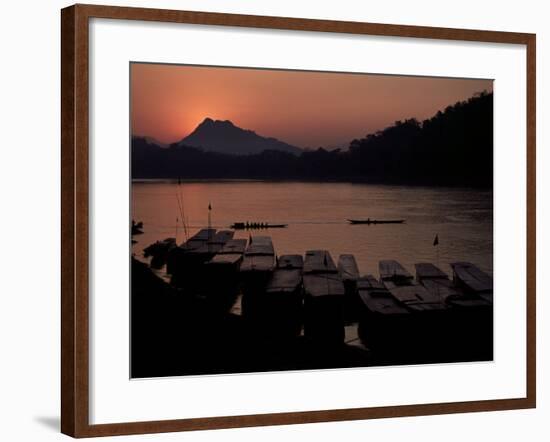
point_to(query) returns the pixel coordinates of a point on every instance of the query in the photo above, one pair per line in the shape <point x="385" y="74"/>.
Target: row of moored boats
<point x="290" y="295"/>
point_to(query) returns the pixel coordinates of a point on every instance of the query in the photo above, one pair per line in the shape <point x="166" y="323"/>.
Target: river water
<point x="316" y="215"/>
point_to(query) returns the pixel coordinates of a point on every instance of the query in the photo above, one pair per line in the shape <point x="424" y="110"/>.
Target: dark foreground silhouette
<point x="176" y="332"/>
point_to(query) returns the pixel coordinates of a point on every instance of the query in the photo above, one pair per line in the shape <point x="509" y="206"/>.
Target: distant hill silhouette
<point x="453" y="148"/>
<point x="225" y="137"/>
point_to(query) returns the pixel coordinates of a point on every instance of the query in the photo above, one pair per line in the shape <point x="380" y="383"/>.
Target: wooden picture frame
<point x="75" y="219"/>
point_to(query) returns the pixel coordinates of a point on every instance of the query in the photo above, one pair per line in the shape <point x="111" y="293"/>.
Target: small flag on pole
<point x="209" y="206"/>
<point x="436" y="240"/>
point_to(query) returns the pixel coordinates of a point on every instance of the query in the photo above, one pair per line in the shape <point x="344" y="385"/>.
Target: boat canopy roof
<point x="472" y="277"/>
<point x="258" y="263"/>
<point x="226" y="258"/>
<point x="221" y="237"/>
<point x="290" y="262"/>
<point x="426" y="270"/>
<point x="234" y="246"/>
<point x="260" y="245"/>
<point x="203" y="234"/>
<point x="391" y="269"/>
<point x="323" y="284"/>
<point x="319" y="261"/>
<point x="347" y="266"/>
<point x="370" y="283"/>
<point x="284" y="281"/>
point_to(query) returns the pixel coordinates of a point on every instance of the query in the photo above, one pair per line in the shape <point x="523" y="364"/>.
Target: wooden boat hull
<point x="472" y="279"/>
<point x="256" y="270"/>
<point x="324" y="295"/>
<point x="469" y="321"/>
<point x="221" y="274"/>
<point x="257" y="226"/>
<point x="384" y="323"/>
<point x="275" y="313"/>
<point x="376" y="221"/>
<point x="349" y="272"/>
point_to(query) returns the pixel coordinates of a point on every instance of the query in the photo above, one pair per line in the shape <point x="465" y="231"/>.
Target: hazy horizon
<point x="302" y="108"/>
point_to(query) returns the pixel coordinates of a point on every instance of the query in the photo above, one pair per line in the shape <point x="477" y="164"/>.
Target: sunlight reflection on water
<point x="316" y="214"/>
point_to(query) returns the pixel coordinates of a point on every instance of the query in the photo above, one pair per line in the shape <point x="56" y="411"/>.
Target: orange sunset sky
<point x="306" y="109"/>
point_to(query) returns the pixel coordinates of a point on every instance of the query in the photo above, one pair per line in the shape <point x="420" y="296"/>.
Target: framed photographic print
<point x="275" y="220"/>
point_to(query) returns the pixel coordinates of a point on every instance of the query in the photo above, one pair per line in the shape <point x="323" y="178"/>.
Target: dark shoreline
<point x="144" y="180"/>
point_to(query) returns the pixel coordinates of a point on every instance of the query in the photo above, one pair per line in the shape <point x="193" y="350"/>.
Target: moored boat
<point x="221" y="273"/>
<point x="426" y="270"/>
<point x="428" y="312"/>
<point x="323" y="299"/>
<point x="473" y="279"/>
<point x="256" y="269"/>
<point x="383" y="320"/>
<point x="259" y="256"/>
<point x="183" y="261"/>
<point x="469" y="325"/>
<point x="349" y="272"/>
<point x="212" y="246"/>
<point x="281" y="306"/>
<point x="391" y="270"/>
<point x="159" y="251"/>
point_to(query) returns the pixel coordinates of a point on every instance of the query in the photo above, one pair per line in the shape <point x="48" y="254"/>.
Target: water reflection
<point x="316" y="215"/>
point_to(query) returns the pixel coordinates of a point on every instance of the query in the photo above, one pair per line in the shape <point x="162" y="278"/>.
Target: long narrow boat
<point x="383" y="321"/>
<point x="182" y="261"/>
<point x="256" y="226"/>
<point x="282" y="304"/>
<point x="425" y="334"/>
<point x="256" y="269"/>
<point x="259" y="256"/>
<point x="376" y="221"/>
<point x="198" y="239"/>
<point x="176" y="257"/>
<point x="437" y="282"/>
<point x="212" y="246"/>
<point x="323" y="299"/>
<point x="473" y="279"/>
<point x="391" y="270"/>
<point x="349" y="272"/>
<point x="469" y="325"/>
<point x="159" y="251"/>
<point x="400" y="284"/>
<point x="221" y="273"/>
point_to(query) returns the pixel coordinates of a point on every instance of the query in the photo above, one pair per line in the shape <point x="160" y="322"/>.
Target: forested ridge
<point x="454" y="148"/>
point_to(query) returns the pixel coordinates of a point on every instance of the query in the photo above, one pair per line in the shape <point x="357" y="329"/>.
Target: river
<point x="317" y="213"/>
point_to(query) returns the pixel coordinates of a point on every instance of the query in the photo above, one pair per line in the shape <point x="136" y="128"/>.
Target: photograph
<point x="307" y="220"/>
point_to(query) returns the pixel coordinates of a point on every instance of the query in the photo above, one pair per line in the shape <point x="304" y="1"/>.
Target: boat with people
<point x="256" y="226"/>
<point x="376" y="221"/>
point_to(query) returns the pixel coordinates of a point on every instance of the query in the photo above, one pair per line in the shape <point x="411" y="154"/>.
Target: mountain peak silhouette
<point x="225" y="137"/>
